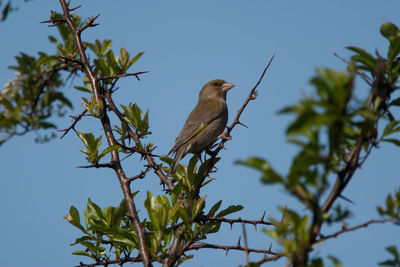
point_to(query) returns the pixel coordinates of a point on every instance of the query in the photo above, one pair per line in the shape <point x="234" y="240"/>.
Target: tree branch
<point x="238" y="220"/>
<point x="351" y="229"/>
<point x="136" y="74"/>
<point x="105" y="121"/>
<point x="228" y="248"/>
<point x="76" y="119"/>
<point x="135" y="138"/>
<point x="108" y="262"/>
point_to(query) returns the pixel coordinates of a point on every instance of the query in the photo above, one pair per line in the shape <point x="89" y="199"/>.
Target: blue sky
<point x="186" y="44"/>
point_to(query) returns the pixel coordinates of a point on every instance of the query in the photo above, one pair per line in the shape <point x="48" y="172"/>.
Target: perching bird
<point x="204" y="124"/>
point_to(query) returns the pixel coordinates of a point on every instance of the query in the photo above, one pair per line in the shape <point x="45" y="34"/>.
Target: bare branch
<point x="351" y="229"/>
<point x="238" y="220"/>
<point x="76" y="119"/>
<point x="141" y="175"/>
<point x="228" y="248"/>
<point x="246" y="248"/>
<point x="98" y="165"/>
<point x="108" y="262"/>
<point x="89" y="23"/>
<point x="268" y="259"/>
<point x="359" y="72"/>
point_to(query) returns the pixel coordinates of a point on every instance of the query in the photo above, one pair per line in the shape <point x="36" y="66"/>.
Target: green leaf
<point x="102" y="67"/>
<point x="198" y="206"/>
<point x="73" y="218"/>
<point x="335" y="261"/>
<point x="151" y="205"/>
<point x="389" y="30"/>
<point x="82" y="253"/>
<point x="112" y="63"/>
<point x="363" y="57"/>
<point x="393" y="141"/>
<point x="83" y="89"/>
<point x="214" y="208"/>
<point x="124" y="58"/>
<point x="94" y="211"/>
<point x="231" y="209"/>
<point x="134" y="59"/>
<point x="176" y="192"/>
<point x="174" y="209"/>
<point x="124" y="238"/>
<point x="395" y="261"/>
<point x="110" y="149"/>
<point x="211" y="227"/>
<point x="269" y="175"/>
<point x="46" y="125"/>
<point x="391" y="128"/>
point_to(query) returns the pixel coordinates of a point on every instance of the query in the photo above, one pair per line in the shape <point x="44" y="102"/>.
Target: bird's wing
<point x="202" y="115"/>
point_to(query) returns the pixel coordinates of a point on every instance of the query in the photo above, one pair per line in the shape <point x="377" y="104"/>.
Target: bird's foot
<point x="225" y="136"/>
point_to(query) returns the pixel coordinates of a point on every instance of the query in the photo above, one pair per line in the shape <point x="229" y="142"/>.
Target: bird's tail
<point x="174" y="165"/>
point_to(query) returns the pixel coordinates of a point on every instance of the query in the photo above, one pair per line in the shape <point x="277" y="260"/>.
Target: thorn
<point x="345" y="198"/>
<point x="243" y="124"/>
<point x="74" y="8"/>
<point x="262" y="217"/>
<point x="238" y="243"/>
<point x="226" y="250"/>
<point x="283" y="215"/>
<point x="255" y="226"/>
<point x="270" y="247"/>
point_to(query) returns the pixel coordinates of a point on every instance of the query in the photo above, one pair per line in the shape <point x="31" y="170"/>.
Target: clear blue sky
<point x="188" y="43"/>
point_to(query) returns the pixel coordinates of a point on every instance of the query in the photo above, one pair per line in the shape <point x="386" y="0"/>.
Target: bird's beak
<point x="227" y="86"/>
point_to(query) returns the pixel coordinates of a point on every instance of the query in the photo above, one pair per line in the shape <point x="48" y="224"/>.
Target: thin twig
<point x="76" y="119"/>
<point x="359" y="72"/>
<point x="89" y="23"/>
<point x="351" y="229"/>
<point x="228" y="248"/>
<point x="246" y="247"/>
<point x="268" y="259"/>
<point x="108" y="262"/>
<point x="135" y="138"/>
<point x="238" y="220"/>
<point x="141" y="175"/>
<point x="98" y="165"/>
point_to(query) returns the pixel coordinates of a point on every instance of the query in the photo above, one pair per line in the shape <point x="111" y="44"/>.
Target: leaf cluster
<point x="335" y="133"/>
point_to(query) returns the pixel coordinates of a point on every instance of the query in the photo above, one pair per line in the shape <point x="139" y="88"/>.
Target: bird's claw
<point x="225" y="136"/>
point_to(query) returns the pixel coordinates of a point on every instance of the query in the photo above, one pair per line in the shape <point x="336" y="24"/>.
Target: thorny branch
<point x="228" y="248"/>
<point x="109" y="262"/>
<point x="136" y="74"/>
<point x="351" y="229"/>
<point x="238" y="220"/>
<point x="105" y="121"/>
<point x="103" y="99"/>
<point x="353" y="162"/>
<point x="76" y="119"/>
<point x="353" y="157"/>
<point x="135" y="137"/>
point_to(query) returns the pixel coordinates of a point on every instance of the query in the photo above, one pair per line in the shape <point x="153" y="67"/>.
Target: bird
<point x="205" y="123"/>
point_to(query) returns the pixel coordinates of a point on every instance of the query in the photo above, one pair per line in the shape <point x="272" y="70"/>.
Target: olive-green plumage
<point x="205" y="123"/>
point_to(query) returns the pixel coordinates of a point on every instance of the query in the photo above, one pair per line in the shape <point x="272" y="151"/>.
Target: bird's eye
<point x="216" y="84"/>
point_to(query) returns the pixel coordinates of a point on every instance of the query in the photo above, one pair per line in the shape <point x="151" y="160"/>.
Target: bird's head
<point x="215" y="89"/>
